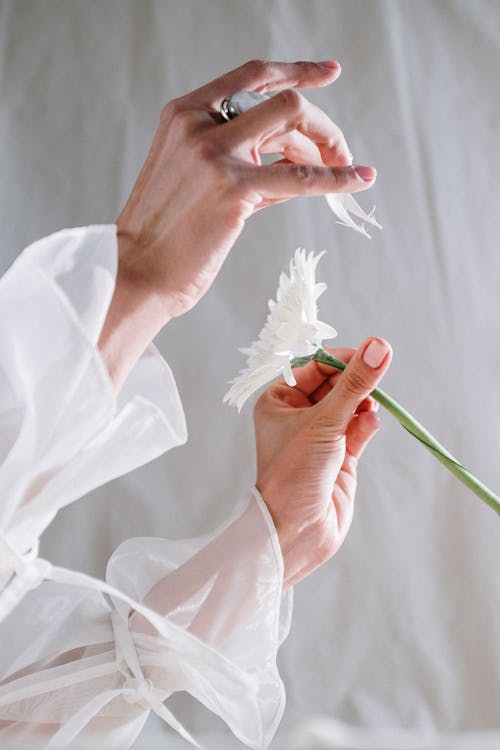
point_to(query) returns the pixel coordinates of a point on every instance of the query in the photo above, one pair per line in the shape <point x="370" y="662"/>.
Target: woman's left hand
<point x="202" y="180"/>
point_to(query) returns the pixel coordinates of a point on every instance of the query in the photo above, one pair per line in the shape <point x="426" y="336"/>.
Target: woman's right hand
<point x="309" y="440"/>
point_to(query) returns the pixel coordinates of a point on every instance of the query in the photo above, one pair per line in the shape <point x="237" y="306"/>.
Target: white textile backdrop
<point x="402" y="628"/>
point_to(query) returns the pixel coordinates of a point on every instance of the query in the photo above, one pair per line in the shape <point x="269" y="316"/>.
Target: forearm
<point x="220" y="587"/>
<point x="135" y="315"/>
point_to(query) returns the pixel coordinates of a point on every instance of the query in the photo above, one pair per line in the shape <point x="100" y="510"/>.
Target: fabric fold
<point x="64" y="431"/>
<point x="203" y="615"/>
<point x="116" y="662"/>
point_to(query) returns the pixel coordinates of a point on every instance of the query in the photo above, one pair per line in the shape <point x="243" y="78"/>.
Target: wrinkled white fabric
<point x="89" y="659"/>
<point x="63" y="432"/>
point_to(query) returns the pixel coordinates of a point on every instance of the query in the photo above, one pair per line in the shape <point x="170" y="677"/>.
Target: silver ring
<point x="242" y="101"/>
<point x="228" y="109"/>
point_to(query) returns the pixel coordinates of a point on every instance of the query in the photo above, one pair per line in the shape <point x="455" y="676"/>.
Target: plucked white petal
<point x="343" y="204"/>
<point x="292" y="329"/>
<point x="353" y="207"/>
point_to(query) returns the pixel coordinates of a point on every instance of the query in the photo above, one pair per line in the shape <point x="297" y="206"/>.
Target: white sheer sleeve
<point x="86" y="669"/>
<point x="89" y="659"/>
<point x="62" y="430"/>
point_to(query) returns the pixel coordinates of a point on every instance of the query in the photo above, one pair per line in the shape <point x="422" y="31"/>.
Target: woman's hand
<point x="203" y="179"/>
<point x="309" y="439"/>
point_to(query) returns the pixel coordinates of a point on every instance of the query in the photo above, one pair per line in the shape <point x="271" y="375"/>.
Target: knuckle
<point x="227" y="180"/>
<point x="340" y="153"/>
<point x="177" y="115"/>
<point x="226" y="172"/>
<point x="355" y="383"/>
<point x="306" y="174"/>
<point x="182" y="121"/>
<point x="338" y="149"/>
<point x="171" y="109"/>
<point x="291" y="99"/>
<point x="257" y="67"/>
<point x="342" y="176"/>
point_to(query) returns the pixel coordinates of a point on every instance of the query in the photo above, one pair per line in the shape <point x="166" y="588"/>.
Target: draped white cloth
<point x="85" y="660"/>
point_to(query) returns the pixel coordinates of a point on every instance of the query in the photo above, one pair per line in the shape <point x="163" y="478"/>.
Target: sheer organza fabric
<point x="82" y="660"/>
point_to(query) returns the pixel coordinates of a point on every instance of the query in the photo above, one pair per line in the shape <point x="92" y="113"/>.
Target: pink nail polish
<point x="330" y="64"/>
<point x="366" y="173"/>
<point x="375" y="353"/>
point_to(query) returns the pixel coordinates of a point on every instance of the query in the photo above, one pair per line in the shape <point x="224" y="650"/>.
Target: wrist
<point x="146" y="268"/>
<point x="135" y="315"/>
<point x="306" y="541"/>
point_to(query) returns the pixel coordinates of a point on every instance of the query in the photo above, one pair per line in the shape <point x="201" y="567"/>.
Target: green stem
<point x="417" y="430"/>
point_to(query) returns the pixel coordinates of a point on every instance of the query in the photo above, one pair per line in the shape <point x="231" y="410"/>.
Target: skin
<point x="199" y="184"/>
<point x="201" y="181"/>
<point x="309" y="441"/>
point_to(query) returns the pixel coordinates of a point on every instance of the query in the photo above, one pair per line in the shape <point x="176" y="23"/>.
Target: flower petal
<point x="325" y="331"/>
<point x="288" y="374"/>
<point x="291" y="330"/>
<point x="343" y="203"/>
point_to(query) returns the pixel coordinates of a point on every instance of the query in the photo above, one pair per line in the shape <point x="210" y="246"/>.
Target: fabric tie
<point x="138" y="690"/>
<point x="23" y="572"/>
<point x="135" y="690"/>
<point x="30" y="570"/>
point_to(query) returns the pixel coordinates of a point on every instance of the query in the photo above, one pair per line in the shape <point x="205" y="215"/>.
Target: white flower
<point x="343" y="204"/>
<point x="292" y="329"/>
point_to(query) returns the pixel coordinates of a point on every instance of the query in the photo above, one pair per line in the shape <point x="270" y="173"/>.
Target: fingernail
<point x="330" y="64"/>
<point x="375" y="353"/>
<point x="366" y="173"/>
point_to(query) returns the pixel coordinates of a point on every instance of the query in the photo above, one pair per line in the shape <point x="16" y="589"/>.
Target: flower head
<point x="292" y="329"/>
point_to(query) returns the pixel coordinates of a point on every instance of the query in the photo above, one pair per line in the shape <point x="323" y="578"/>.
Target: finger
<point x="344" y="493"/>
<point x="345" y="354"/>
<point x="295" y="147"/>
<point x="343" y="500"/>
<point x="284" y="181"/>
<point x="284" y="394"/>
<point x="360" y="377"/>
<point x="311" y="376"/>
<point x="262" y="76"/>
<point x="368" y="404"/>
<point x="361" y="430"/>
<point x="321" y="392"/>
<point x="287" y="111"/>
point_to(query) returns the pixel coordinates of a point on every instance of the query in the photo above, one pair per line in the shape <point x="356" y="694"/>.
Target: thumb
<point x="359" y="378"/>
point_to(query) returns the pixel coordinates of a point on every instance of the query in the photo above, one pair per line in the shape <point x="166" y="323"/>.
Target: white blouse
<point x="83" y="660"/>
